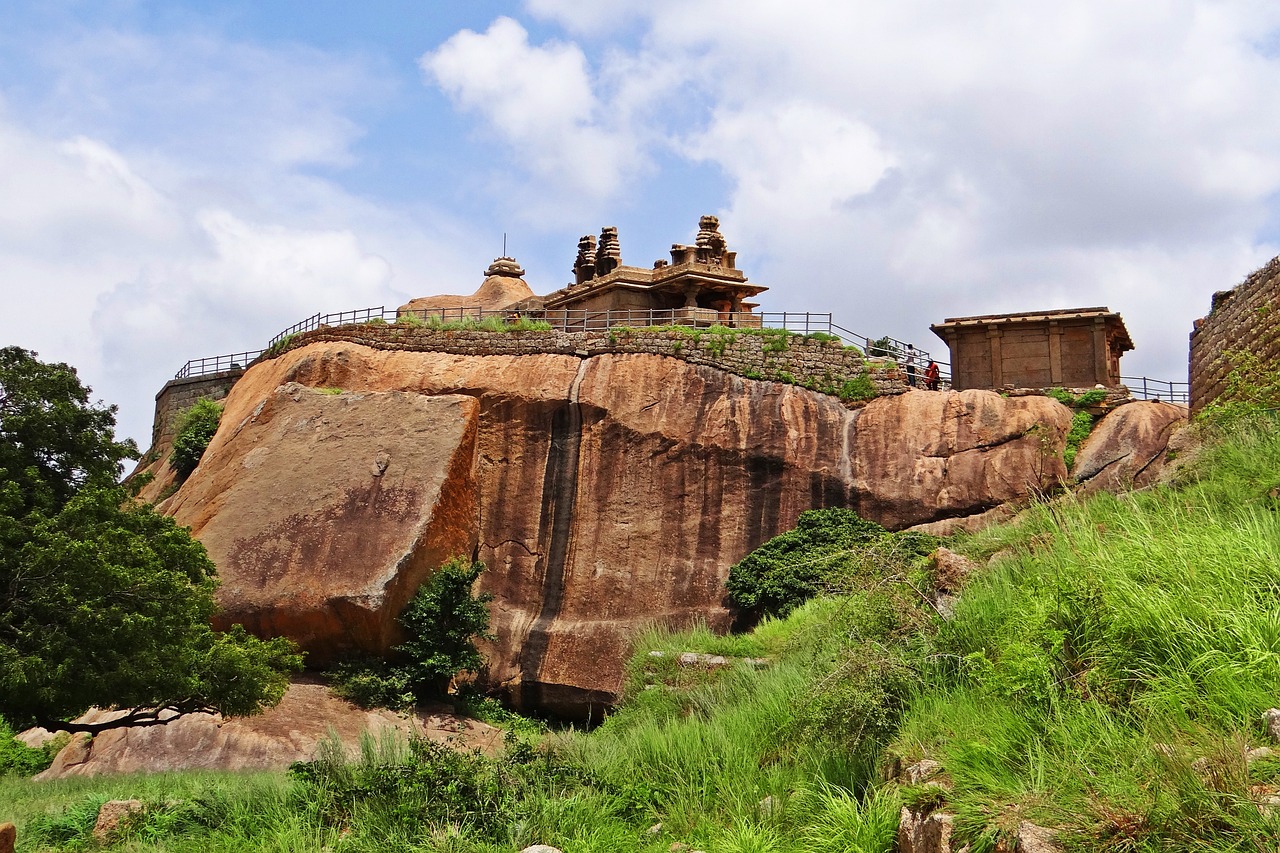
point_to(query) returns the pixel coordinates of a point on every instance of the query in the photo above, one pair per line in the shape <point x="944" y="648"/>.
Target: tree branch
<point x="134" y="718"/>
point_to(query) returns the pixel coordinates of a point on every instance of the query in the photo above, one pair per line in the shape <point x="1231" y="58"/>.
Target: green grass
<point x="1101" y="676"/>
<point x="471" y="324"/>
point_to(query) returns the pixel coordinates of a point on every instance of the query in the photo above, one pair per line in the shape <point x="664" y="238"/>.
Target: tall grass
<point x="1104" y="676"/>
<point x="1108" y="673"/>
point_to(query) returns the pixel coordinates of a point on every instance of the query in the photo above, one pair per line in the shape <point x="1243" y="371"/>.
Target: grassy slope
<point x="1103" y="629"/>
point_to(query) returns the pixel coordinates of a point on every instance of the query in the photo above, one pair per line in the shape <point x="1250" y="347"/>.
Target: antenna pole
<point x="504" y="244"/>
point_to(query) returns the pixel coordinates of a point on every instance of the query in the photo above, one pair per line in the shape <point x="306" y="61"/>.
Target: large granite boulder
<point x="1128" y="449"/>
<point x="291" y="731"/>
<point x="324" y="512"/>
<point x="613" y="491"/>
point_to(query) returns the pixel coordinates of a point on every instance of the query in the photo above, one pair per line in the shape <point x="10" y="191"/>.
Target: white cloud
<point x="541" y="100"/>
<point x="899" y="162"/>
<point x="158" y="207"/>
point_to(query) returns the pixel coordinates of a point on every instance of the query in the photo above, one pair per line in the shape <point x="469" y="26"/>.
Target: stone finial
<point x="584" y="267"/>
<point x="710" y="242"/>
<point x="609" y="258"/>
<point x="505" y="267"/>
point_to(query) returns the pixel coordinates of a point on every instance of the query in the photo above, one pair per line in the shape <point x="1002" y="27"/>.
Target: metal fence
<point x="218" y="364"/>
<point x="1145" y="388"/>
<point x="803" y="323"/>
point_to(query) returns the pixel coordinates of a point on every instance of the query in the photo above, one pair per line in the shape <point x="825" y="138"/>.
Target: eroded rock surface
<point x="291" y="731"/>
<point x="1128" y="448"/>
<point x="324" y="512"/>
<point x="612" y="491"/>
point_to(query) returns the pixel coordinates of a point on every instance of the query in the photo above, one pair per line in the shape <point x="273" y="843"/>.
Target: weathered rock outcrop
<point x="291" y="731"/>
<point x="502" y="288"/>
<point x="1128" y="448"/>
<point x="613" y="491"/>
<point x="325" y="512"/>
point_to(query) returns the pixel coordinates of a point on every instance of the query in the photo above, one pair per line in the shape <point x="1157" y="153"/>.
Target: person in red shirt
<point x="931" y="375"/>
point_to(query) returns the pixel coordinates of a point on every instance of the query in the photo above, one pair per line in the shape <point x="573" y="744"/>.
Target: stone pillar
<point x="1101" y="372"/>
<point x="1055" y="353"/>
<point x="997" y="360"/>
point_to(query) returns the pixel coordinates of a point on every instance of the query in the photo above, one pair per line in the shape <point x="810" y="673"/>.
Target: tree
<point x="441" y="622"/>
<point x="103" y="601"/>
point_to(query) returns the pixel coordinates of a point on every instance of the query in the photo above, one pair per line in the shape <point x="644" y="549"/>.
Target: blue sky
<point x="185" y="179"/>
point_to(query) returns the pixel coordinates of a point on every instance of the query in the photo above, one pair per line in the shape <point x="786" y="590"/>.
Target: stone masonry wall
<point x="817" y="364"/>
<point x="820" y="365"/>
<point x="179" y="394"/>
<point x="1245" y="318"/>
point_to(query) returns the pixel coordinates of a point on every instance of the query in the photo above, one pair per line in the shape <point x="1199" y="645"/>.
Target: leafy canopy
<point x="103" y="601"/>
<point x="441" y="623"/>
<point x="193" y="430"/>
<point x="824" y="548"/>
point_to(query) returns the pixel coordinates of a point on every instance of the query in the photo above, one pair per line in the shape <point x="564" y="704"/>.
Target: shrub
<point x="279" y="346"/>
<point x="441" y="622"/>
<point x="18" y="759"/>
<point x="859" y="387"/>
<point x="194" y="428"/>
<point x="790" y="568"/>
<point x="1081" y="426"/>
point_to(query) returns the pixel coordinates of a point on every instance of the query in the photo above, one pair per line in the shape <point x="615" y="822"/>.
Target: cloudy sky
<point x="176" y="182"/>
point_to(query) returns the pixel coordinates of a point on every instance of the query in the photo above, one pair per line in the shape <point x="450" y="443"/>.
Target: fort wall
<point x="813" y="362"/>
<point x="1246" y="318"/>
<point x="182" y="393"/>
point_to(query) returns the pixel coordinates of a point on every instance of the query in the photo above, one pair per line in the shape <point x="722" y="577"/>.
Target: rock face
<point x="502" y="288"/>
<point x="1128" y="448"/>
<point x="325" y="512"/>
<point x="289" y="732"/>
<point x="612" y="491"/>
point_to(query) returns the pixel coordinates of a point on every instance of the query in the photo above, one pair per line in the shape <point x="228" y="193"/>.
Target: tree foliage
<point x="194" y="428"/>
<point x="103" y="601"/>
<point x="52" y="441"/>
<point x="825" y="548"/>
<point x="441" y="623"/>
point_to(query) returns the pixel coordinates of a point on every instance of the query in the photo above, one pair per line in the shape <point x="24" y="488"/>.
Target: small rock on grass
<point x="1271" y="719"/>
<point x="8" y="837"/>
<point x="112" y="814"/>
<point x="541" y="848"/>
<point x="920" y="833"/>
<point x="1037" y="839"/>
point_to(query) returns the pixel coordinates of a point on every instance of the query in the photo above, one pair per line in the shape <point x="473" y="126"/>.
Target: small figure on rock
<point x="931" y="376"/>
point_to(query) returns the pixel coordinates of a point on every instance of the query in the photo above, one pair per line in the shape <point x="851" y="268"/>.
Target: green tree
<point x="441" y="623"/>
<point x="193" y="430"/>
<point x="103" y="601"/>
<point x="52" y="441"/>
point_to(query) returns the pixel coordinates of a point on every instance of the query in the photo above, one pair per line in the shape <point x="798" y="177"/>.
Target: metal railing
<point x="579" y="320"/>
<point x="1145" y="388"/>
<point x="342" y="318"/>
<point x="218" y="364"/>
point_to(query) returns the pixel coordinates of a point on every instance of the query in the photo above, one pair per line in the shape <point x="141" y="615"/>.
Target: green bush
<point x="194" y="428"/>
<point x="791" y="568"/>
<point x="18" y="759"/>
<point x="859" y="387"/>
<point x="441" y="623"/>
<point x="280" y="346"/>
<point x="1081" y="425"/>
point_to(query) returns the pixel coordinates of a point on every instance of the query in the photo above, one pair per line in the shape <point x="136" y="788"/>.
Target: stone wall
<point x="179" y="394"/>
<point x="810" y="362"/>
<point x="1245" y="318"/>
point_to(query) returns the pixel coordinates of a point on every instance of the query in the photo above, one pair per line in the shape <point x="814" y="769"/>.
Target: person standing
<point x="931" y="376"/>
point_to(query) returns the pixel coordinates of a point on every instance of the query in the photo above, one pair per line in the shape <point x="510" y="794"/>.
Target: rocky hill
<point x="603" y="492"/>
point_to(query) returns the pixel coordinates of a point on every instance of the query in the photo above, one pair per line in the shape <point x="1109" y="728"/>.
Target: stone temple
<point x="700" y="286"/>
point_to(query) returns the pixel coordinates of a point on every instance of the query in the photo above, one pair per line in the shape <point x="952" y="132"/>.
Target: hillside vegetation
<point x="1104" y="675"/>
